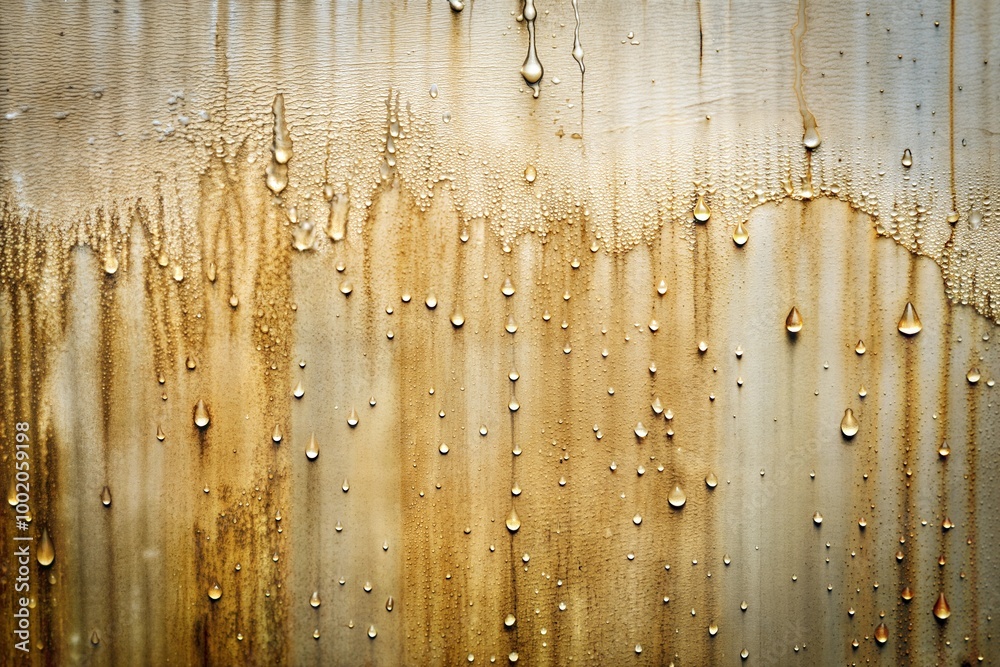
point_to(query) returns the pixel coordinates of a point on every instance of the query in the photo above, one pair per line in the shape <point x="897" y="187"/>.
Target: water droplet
<point x="457" y="319"/>
<point x="346" y="287"/>
<point x="201" y="418"/>
<point x="110" y="263"/>
<point x="511" y="325"/>
<point x="941" y="609"/>
<point x="214" y="593"/>
<point x="46" y="552"/>
<point x="817" y="518"/>
<point x="907" y="158"/>
<point x="907" y="594"/>
<point x="881" y="633"/>
<point x="346" y="486"/>
<point x="740" y="234"/>
<point x="793" y="323"/>
<point x="701" y="210"/>
<point x="849" y="425"/>
<point x="972" y="376"/>
<point x="389" y="604"/>
<point x="513" y="523"/>
<point x="431" y="301"/>
<point x="640" y="430"/>
<point x="314" y="601"/>
<point x="299" y="391"/>
<point x="862" y="392"/>
<point x="531" y="70"/>
<point x="944" y="450"/>
<point x="713" y="630"/>
<point x="530" y="174"/>
<point x="312" y="449"/>
<point x="352" y="418"/>
<point x="637" y="519"/>
<point x="443" y="448"/>
<point x="276" y="434"/>
<point x="509" y="621"/>
<point x="106" y="496"/>
<point x="676" y="498"/>
<point x="95" y="638"/>
<point x="860" y="347"/>
<point x="744" y="654"/>
<point x="711" y="481"/>
<point x="661" y="288"/>
<point x="909" y="323"/>
<point x="508" y="287"/>
<point x="456" y="6"/>
<point x="372" y="632"/>
<point x="234" y="300"/>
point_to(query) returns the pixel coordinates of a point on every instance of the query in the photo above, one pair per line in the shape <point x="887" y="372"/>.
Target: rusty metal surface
<point x="636" y="354"/>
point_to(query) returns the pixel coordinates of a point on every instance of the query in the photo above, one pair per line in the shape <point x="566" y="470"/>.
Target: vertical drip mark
<point x="577" y="47"/>
<point x="810" y="135"/>
<point x="281" y="148"/>
<point x="531" y="70"/>
<point x="578" y="56"/>
<point x="951" y="104"/>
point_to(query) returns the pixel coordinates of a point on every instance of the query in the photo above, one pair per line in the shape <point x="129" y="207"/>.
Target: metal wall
<point x="323" y="365"/>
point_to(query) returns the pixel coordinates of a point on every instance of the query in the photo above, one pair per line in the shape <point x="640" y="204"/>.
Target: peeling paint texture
<point x="338" y="340"/>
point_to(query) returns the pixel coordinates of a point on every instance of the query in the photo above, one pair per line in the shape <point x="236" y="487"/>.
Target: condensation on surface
<point x="383" y="359"/>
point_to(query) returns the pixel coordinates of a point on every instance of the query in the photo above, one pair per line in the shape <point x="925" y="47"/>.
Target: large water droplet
<point x="641" y="431"/>
<point x="314" y="601"/>
<point x="849" y="425"/>
<point x="214" y="593"/>
<point x="676" y="498"/>
<point x="881" y="633"/>
<point x="740" y="234"/>
<point x="201" y="418"/>
<point x="793" y="323"/>
<point x="941" y="609"/>
<point x="46" y="552"/>
<point x="513" y="523"/>
<point x="312" y="449"/>
<point x="106" y="496"/>
<point x="701" y="210"/>
<point x="909" y="323"/>
<point x="907" y="158"/>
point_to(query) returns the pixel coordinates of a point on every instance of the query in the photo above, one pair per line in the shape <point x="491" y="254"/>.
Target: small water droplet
<point x="530" y="174"/>
<point x="711" y="481"/>
<point x="95" y="638"/>
<point x="352" y="418"/>
<point x="214" y="593"/>
<point x="106" y="496"/>
<point x="817" y="518"/>
<point x="389" y="603"/>
<point x="860" y="347"/>
<point x="314" y="601"/>
<point x="372" y="632"/>
<point x="511" y="325"/>
<point x="276" y="434"/>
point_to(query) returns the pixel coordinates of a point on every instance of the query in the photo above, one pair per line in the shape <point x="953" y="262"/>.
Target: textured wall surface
<point x="344" y="339"/>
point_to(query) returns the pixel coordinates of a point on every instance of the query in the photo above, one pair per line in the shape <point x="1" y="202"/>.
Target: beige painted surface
<point x="124" y="245"/>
